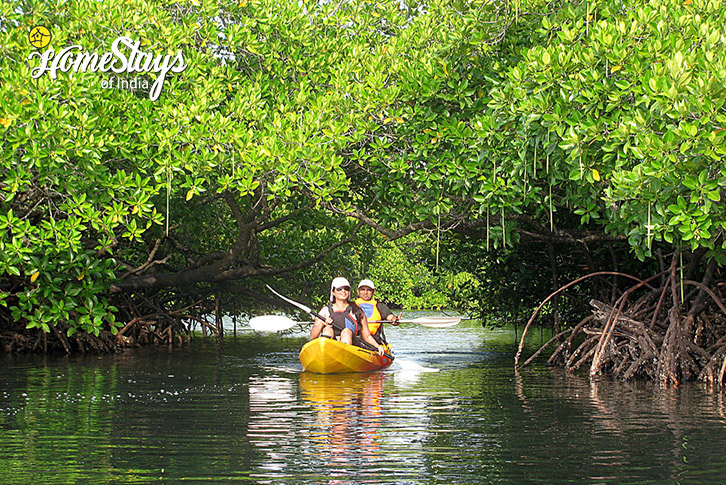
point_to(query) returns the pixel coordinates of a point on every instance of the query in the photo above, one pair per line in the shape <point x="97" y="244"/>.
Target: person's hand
<point x="396" y="319"/>
<point x="328" y="321"/>
<point x="381" y="350"/>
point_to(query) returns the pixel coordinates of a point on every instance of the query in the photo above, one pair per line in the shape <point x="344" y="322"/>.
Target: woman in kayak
<point x="344" y="319"/>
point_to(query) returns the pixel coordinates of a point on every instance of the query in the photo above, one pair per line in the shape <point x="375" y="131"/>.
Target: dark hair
<point x="357" y="311"/>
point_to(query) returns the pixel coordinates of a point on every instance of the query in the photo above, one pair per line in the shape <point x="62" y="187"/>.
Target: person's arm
<point x="387" y="314"/>
<point x="319" y="324"/>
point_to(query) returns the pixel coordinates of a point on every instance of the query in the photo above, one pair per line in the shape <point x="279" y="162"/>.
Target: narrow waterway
<point x="451" y="409"/>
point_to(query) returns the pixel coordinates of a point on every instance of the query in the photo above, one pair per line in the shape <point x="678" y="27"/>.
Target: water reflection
<point x="636" y="430"/>
<point x="271" y="421"/>
<point x="347" y="411"/>
<point x="244" y="412"/>
<point x="408" y="372"/>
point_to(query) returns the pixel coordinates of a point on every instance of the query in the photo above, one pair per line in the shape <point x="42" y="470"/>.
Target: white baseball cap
<point x="367" y="283"/>
<point x="338" y="282"/>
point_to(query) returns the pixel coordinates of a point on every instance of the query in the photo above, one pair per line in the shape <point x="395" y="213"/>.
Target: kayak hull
<point x="329" y="356"/>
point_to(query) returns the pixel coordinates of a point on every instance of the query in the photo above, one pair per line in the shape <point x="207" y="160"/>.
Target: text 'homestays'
<point x="125" y="57"/>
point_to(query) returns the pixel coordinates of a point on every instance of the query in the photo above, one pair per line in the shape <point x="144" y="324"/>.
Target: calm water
<point x="450" y="410"/>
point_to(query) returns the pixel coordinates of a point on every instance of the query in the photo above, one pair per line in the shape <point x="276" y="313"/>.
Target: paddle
<point x="302" y="307"/>
<point x="307" y="309"/>
<point x="433" y="322"/>
<point x="279" y="323"/>
<point x="273" y="323"/>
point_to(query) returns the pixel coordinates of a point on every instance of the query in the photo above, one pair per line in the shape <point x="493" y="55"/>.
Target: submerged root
<point x="17" y="340"/>
<point x="155" y="326"/>
<point x="140" y="332"/>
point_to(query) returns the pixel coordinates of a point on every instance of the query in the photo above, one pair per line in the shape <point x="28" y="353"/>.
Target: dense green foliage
<point x="621" y="109"/>
<point x="592" y="127"/>
<point x="298" y="126"/>
<point x="613" y="111"/>
<point x="224" y="177"/>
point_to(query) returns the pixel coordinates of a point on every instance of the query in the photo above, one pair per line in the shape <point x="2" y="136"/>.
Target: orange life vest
<point x="370" y="308"/>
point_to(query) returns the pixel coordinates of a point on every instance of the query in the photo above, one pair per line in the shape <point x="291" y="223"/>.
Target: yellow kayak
<point x="329" y="356"/>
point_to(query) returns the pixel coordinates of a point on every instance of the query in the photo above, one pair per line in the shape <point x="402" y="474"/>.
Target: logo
<point x="126" y="57"/>
<point x="39" y="36"/>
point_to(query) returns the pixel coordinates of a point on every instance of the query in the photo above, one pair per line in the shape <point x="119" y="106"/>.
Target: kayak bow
<point x="325" y="355"/>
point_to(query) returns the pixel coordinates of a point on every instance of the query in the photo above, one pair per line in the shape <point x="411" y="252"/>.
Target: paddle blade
<point x="271" y="323"/>
<point x="436" y="322"/>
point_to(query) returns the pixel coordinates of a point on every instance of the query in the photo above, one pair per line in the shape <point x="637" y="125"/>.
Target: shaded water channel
<point x="451" y="409"/>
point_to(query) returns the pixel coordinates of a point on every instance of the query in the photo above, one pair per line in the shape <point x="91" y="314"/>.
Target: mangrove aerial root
<point x="673" y="331"/>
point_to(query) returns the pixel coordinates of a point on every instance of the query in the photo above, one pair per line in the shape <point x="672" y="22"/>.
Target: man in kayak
<point x="375" y="310"/>
<point x="344" y="319"/>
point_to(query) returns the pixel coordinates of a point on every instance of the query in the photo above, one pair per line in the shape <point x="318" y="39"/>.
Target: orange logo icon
<point x="39" y="36"/>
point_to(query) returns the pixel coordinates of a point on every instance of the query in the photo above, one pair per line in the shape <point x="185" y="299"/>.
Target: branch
<point x="234" y="207"/>
<point x="219" y="272"/>
<point x="708" y="291"/>
<point x="359" y="215"/>
<point x="246" y="272"/>
<point x="149" y="261"/>
<point x="388" y="233"/>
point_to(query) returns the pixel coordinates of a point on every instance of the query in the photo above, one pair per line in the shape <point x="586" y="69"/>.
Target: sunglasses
<point x="341" y="288"/>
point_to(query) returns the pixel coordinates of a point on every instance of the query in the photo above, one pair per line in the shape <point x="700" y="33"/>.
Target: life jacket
<point x="344" y="319"/>
<point x="370" y="308"/>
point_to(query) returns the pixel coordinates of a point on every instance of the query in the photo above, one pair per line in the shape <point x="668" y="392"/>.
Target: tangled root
<point x="666" y="335"/>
